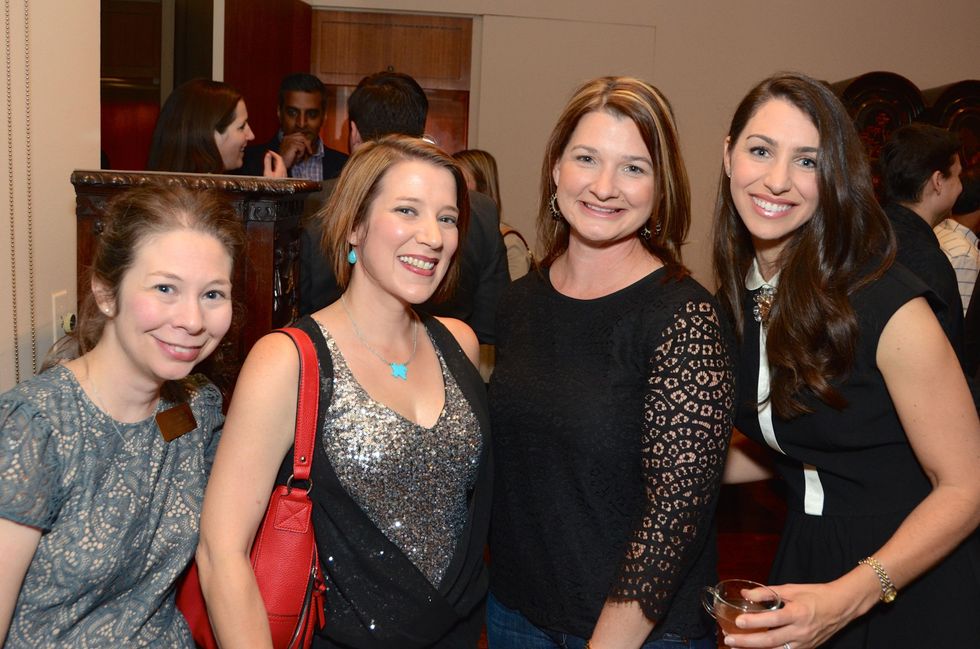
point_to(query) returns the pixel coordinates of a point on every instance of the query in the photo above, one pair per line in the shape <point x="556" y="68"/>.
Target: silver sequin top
<point x="411" y="481"/>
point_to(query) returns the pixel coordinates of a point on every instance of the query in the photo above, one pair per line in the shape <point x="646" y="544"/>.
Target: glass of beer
<point x="730" y="598"/>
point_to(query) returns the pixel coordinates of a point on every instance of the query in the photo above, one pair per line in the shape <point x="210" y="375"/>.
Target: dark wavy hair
<point x="847" y="243"/>
<point x="646" y="107"/>
<point x="130" y="219"/>
<point x="183" y="139"/>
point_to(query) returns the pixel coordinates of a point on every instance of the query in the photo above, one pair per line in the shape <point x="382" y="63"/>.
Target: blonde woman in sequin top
<point x="100" y="492"/>
<point x="400" y="470"/>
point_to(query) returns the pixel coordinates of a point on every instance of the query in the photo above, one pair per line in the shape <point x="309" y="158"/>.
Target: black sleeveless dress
<point x="851" y="479"/>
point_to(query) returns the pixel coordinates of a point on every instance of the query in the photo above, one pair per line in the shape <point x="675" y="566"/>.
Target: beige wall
<point x="530" y="54"/>
<point x="64" y="135"/>
<point x="704" y="56"/>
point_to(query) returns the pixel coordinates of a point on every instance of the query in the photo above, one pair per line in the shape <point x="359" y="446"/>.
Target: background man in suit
<point x="301" y="110"/>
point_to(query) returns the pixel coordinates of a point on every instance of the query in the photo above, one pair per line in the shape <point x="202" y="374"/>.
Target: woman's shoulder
<point x="461" y="333"/>
<point x="529" y="291"/>
<point x="669" y="306"/>
<point x="204" y="398"/>
<point x="664" y="293"/>
<point x="201" y="390"/>
<point x="43" y="395"/>
<point x="889" y="291"/>
<point x="39" y="437"/>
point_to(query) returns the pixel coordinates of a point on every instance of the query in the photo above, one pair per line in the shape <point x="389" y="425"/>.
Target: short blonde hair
<point x="358" y="186"/>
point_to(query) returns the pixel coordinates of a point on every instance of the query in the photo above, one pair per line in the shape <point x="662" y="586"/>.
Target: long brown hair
<point x="483" y="167"/>
<point x="646" y="106"/>
<point x="183" y="139"/>
<point x="359" y="184"/>
<point x="812" y="331"/>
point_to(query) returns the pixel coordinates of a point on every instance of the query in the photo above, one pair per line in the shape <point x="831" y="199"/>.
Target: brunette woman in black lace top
<point x="612" y="398"/>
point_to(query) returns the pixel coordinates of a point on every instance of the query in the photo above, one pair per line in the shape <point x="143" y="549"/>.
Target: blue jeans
<point x="508" y="629"/>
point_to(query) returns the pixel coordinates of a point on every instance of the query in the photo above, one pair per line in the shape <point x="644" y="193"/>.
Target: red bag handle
<point x="307" y="403"/>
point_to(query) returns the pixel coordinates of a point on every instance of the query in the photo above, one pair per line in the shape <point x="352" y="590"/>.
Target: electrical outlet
<point x="62" y="315"/>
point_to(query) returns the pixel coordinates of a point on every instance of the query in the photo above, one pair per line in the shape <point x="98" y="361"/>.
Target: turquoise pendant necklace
<point x="398" y="370"/>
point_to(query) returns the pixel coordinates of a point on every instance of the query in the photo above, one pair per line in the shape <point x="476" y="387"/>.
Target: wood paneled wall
<point x="264" y="41"/>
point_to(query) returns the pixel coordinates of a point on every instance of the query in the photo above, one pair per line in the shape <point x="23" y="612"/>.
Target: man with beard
<point x="301" y="111"/>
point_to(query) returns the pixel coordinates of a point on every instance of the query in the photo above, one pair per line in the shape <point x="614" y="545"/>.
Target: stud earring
<point x="553" y="207"/>
<point x="352" y="257"/>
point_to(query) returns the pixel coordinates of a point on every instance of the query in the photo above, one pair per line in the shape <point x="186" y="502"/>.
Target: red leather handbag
<point x="284" y="556"/>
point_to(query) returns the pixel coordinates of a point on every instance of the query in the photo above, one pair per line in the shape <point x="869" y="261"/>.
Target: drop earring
<point x="553" y="207"/>
<point x="352" y="257"/>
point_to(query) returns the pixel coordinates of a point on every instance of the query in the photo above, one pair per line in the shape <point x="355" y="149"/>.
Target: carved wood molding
<point x="237" y="184"/>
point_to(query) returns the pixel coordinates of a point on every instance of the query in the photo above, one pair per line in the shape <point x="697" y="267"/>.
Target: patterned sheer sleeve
<point x="30" y="468"/>
<point x="688" y="409"/>
<point x="207" y="402"/>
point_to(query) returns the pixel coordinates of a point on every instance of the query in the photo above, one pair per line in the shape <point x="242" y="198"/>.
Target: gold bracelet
<point x="888" y="590"/>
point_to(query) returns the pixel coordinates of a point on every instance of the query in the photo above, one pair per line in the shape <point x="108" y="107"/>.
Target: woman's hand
<point x="811" y="613"/>
<point x="273" y="165"/>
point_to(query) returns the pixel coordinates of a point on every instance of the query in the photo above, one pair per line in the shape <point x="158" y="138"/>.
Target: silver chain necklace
<point x="398" y="370"/>
<point x="100" y="403"/>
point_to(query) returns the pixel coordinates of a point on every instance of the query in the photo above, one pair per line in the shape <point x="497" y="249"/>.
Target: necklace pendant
<point x="763" y="304"/>
<point x="399" y="371"/>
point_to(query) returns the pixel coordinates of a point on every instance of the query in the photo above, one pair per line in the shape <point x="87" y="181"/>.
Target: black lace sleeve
<point x="688" y="410"/>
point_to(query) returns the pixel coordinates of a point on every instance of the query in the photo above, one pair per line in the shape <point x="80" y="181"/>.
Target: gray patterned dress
<point x="118" y="508"/>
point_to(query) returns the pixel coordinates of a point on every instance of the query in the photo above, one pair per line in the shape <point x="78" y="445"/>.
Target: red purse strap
<point x="307" y="402"/>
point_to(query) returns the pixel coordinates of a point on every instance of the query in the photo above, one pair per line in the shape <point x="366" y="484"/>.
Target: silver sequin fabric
<point x="411" y="481"/>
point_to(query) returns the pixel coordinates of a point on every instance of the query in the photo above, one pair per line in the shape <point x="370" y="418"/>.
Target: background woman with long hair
<point x="203" y="128"/>
<point x="480" y="169"/>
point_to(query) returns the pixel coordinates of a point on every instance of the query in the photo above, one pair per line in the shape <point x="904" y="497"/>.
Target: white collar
<point x="753" y="278"/>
